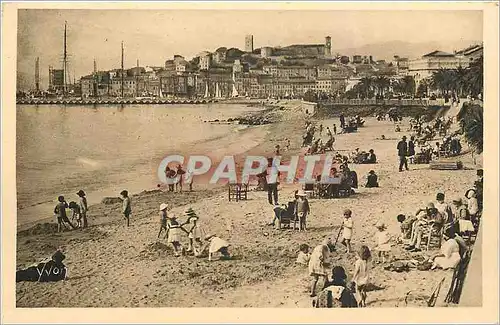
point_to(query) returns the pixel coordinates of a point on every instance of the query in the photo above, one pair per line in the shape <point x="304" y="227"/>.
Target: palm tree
<point x="365" y="86"/>
<point x="471" y="120"/>
<point x="461" y="80"/>
<point x="408" y="84"/>
<point x="382" y="83"/>
<point x="475" y="77"/>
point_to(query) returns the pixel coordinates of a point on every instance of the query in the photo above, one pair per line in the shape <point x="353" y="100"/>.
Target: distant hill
<point x="387" y="50"/>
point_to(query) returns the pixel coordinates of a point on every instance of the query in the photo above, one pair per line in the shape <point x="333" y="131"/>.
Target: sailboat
<point x="206" y="90"/>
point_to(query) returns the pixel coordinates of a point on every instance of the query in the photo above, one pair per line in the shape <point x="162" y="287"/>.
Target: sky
<point x="153" y="36"/>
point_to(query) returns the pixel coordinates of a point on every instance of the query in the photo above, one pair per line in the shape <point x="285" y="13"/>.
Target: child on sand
<point x="382" y="238"/>
<point x="335" y="129"/>
<point x="347" y="226"/>
<point x="360" y="275"/>
<point x="304" y="256"/>
<point x="302" y="209"/>
<point x="319" y="264"/>
<point x="83" y="207"/>
<point x="195" y="233"/>
<point x="174" y="234"/>
<point x="216" y="245"/>
<point x="60" y="212"/>
<point x="77" y="215"/>
<point x="126" y="206"/>
<point x="163" y="219"/>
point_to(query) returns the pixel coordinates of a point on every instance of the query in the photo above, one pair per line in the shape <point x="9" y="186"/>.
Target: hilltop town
<point x="270" y="72"/>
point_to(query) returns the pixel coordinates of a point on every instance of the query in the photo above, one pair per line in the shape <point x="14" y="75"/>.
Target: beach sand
<point x="111" y="265"/>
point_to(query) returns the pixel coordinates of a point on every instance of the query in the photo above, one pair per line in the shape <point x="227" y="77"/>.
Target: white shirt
<point x="272" y="175"/>
<point x="472" y="206"/>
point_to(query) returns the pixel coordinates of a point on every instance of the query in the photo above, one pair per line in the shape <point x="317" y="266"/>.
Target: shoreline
<point x="259" y="132"/>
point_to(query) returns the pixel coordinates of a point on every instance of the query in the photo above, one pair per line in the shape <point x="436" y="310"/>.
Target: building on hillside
<point x="291" y="72"/>
<point x="402" y="65"/>
<point x="331" y="86"/>
<point x="249" y="43"/>
<point x="298" y="50"/>
<point x="237" y="66"/>
<point x="328" y="46"/>
<point x="429" y="63"/>
<point x="471" y="53"/>
<point x="357" y="59"/>
<point x="205" y="61"/>
<point x="220" y="55"/>
<point x="266" y="52"/>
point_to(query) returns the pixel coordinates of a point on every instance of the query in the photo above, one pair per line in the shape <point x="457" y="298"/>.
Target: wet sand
<point x="111" y="265"/>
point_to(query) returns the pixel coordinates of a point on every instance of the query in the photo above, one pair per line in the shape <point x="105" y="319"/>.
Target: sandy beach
<point x="111" y="265"/>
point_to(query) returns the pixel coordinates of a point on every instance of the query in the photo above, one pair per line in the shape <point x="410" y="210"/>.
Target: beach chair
<point x="237" y="191"/>
<point x="432" y="237"/>
<point x="287" y="216"/>
<point x="310" y="190"/>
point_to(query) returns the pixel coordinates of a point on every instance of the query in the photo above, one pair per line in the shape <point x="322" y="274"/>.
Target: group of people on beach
<point x="450" y="222"/>
<point x="175" y="178"/>
<point x="199" y="239"/>
<point x="79" y="212"/>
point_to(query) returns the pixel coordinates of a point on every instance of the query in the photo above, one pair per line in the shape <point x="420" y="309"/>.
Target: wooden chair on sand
<point x="237" y="191"/>
<point x="432" y="237"/>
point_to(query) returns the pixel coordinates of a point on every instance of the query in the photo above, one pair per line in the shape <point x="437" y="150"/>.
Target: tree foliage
<point x="460" y="81"/>
<point x="471" y="121"/>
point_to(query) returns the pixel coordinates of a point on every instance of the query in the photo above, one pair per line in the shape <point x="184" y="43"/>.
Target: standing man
<point x="342" y="121"/>
<point x="272" y="176"/>
<point x="402" y="153"/>
<point x="411" y="149"/>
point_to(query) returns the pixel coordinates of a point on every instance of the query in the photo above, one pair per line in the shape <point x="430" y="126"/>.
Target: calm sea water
<point x="104" y="149"/>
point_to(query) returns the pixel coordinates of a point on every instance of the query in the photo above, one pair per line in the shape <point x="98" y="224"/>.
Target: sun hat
<point x="469" y="191"/>
<point x="371" y="172"/>
<point x="430" y="205"/>
<point x="80" y="193"/>
<point x="208" y="236"/>
<point x="190" y="212"/>
<point x="163" y="206"/>
<point x="301" y="193"/>
<point x="457" y="200"/>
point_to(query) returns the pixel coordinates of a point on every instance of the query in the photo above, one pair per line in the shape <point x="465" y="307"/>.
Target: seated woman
<point x="336" y="294"/>
<point x="371" y="158"/>
<point x="372" y="179"/>
<point x="450" y="252"/>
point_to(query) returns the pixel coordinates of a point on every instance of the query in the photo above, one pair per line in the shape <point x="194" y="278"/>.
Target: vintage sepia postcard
<point x="191" y="162"/>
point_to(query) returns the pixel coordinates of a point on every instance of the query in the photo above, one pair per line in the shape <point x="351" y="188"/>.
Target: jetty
<point x="113" y="101"/>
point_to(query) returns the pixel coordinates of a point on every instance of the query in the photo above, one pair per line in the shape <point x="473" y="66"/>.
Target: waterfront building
<point x="205" y="61"/>
<point x="429" y="63"/>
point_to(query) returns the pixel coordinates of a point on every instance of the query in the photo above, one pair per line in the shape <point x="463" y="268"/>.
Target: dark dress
<point x="372" y="181"/>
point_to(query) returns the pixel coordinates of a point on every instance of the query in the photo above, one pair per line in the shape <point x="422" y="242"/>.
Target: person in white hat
<point x="163" y="219"/>
<point x="215" y="244"/>
<point x="195" y="232"/>
<point x="382" y="239"/>
<point x="302" y="209"/>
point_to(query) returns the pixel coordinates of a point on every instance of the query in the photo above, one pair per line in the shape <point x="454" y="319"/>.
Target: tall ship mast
<point x="65" y="61"/>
